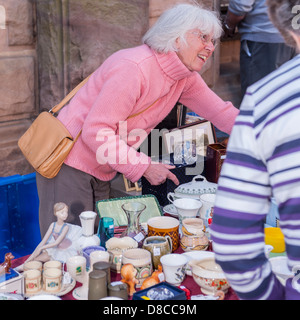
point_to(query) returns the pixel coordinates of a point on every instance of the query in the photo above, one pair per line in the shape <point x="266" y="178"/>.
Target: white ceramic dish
<point x="196" y="255"/>
<point x="193" y="189"/>
<point x="170" y="209"/>
<point x="209" y="276"/>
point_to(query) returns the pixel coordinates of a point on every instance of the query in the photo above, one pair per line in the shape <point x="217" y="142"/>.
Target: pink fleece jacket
<point x="128" y="82"/>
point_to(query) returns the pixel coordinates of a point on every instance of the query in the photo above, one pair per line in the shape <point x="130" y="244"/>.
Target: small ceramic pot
<point x="141" y="260"/>
<point x="194" y="242"/>
<point x="158" y="247"/>
<point x="99" y="256"/>
<point x="33" y="281"/>
<point x="174" y="265"/>
<point x="165" y="226"/>
<point x="52" y="264"/>
<point x="52" y="280"/>
<point x="193" y="226"/>
<point x="116" y="247"/>
<point x="86" y="252"/>
<point x="33" y="265"/>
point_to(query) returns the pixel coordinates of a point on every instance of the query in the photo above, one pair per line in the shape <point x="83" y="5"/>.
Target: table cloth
<point x="188" y="282"/>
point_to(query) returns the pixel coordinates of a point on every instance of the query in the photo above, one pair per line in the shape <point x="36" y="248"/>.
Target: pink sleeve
<point x="203" y="101"/>
<point x="114" y="104"/>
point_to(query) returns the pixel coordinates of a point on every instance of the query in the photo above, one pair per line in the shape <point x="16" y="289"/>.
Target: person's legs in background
<point x="75" y="188"/>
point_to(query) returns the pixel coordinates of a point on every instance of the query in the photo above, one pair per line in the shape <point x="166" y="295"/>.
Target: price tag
<point x="156" y="251"/>
<point x="139" y="237"/>
<point x="67" y="279"/>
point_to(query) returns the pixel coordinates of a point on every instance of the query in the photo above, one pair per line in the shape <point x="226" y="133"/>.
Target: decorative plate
<point x="170" y="209"/>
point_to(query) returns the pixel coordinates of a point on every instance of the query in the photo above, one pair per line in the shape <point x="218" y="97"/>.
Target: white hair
<point x="175" y="22"/>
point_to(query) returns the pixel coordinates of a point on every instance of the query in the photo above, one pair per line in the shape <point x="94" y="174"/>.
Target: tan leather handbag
<point x="47" y="142"/>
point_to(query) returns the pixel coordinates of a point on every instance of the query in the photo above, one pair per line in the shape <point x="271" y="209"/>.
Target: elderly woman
<point x="263" y="161"/>
<point x="124" y="99"/>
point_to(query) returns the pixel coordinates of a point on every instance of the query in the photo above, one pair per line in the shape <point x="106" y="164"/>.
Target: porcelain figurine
<point x="59" y="242"/>
<point x="156" y="277"/>
<point x="128" y="273"/>
<point x="6" y="265"/>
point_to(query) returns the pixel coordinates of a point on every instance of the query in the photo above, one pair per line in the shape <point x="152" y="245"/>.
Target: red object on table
<point x="188" y="282"/>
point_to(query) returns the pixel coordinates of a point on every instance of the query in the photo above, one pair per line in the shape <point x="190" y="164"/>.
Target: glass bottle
<point x="133" y="211"/>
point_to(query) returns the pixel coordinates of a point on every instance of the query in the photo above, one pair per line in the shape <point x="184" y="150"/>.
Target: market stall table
<point x="188" y="282"/>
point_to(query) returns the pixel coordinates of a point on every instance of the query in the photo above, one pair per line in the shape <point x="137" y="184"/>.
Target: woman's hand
<point x="157" y="173"/>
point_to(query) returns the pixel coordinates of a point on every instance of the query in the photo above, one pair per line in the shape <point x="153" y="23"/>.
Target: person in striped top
<point x="263" y="161"/>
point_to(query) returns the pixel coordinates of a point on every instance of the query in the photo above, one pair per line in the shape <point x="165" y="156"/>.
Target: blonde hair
<point x="175" y="22"/>
<point x="59" y="206"/>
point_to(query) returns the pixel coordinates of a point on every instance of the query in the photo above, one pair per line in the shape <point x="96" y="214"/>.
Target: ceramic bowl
<point x="86" y="252"/>
<point x="209" y="276"/>
<point x="186" y="207"/>
<point x="116" y="247"/>
<point x="142" y="262"/>
<point x="193" y="226"/>
<point x="196" y="255"/>
<point x="280" y="267"/>
<point x="120" y="244"/>
<point x="165" y="226"/>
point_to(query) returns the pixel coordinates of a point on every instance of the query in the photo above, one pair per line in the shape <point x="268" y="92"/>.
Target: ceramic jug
<point x="158" y="247"/>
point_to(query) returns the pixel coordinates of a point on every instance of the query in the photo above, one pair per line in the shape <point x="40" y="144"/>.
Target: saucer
<point x="170" y="209"/>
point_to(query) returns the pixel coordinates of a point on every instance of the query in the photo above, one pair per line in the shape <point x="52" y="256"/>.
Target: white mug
<point x="174" y="266"/>
<point x="206" y="212"/>
<point x="52" y="280"/>
<point x="97" y="256"/>
<point x="33" y="281"/>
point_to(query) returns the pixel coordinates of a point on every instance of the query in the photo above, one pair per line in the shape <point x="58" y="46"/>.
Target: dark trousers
<point x="258" y="59"/>
<point x="77" y="189"/>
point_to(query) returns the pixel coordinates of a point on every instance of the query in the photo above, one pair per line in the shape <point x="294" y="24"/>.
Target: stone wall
<point x="77" y="36"/>
<point x="18" y="85"/>
<point x="48" y="47"/>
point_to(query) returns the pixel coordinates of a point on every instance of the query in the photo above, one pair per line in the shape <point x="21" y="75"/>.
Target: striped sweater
<point x="263" y="161"/>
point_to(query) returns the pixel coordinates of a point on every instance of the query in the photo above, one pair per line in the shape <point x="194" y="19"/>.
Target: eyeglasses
<point x="205" y="38"/>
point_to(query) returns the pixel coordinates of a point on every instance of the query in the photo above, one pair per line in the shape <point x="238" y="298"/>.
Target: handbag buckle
<point x="50" y="111"/>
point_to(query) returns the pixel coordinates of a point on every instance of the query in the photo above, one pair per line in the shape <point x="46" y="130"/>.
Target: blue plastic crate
<point x="19" y="219"/>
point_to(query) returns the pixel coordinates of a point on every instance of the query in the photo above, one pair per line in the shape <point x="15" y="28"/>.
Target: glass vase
<point x="133" y="211"/>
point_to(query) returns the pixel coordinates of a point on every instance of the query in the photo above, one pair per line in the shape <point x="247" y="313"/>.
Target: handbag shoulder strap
<point x="69" y="96"/>
<point x="138" y="113"/>
<point x="73" y="92"/>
